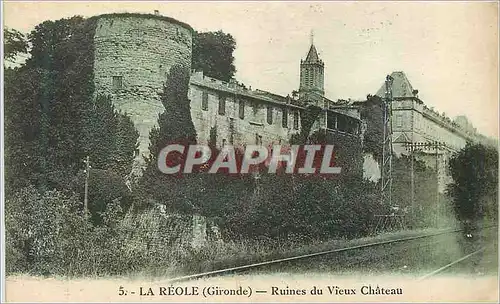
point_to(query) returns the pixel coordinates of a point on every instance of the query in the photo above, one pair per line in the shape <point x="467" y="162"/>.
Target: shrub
<point x="44" y="232"/>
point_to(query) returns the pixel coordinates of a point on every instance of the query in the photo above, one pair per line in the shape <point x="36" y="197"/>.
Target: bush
<point x="46" y="234"/>
<point x="285" y="208"/>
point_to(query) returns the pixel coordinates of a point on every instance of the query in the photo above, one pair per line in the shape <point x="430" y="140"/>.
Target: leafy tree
<point x="213" y="54"/>
<point x="49" y="40"/>
<point x="474" y="170"/>
<point x="45" y="115"/>
<point x="23" y="127"/>
<point x="372" y="112"/>
<point x="174" y="126"/>
<point x="115" y="146"/>
<point x="53" y="121"/>
<point x="15" y="43"/>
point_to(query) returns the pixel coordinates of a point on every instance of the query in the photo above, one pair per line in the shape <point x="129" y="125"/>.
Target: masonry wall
<point x="253" y="128"/>
<point x="427" y="126"/>
<point x="133" y="55"/>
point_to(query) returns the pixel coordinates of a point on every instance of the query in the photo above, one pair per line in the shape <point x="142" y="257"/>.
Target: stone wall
<point x="413" y="121"/>
<point x="182" y="230"/>
<point x="426" y="125"/>
<point x="250" y="128"/>
<point x="133" y="56"/>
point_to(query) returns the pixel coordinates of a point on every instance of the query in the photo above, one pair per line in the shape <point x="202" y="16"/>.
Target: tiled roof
<point x="401" y="86"/>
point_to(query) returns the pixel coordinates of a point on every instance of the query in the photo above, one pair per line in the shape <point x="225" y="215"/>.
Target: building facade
<point x="133" y="57"/>
<point x="134" y="53"/>
<point x="429" y="135"/>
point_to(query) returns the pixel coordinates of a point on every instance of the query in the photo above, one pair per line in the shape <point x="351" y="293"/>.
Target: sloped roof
<point x="312" y="56"/>
<point x="401" y="86"/>
<point x="402" y="138"/>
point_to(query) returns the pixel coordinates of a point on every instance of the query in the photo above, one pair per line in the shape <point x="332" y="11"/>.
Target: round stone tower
<point x="133" y="56"/>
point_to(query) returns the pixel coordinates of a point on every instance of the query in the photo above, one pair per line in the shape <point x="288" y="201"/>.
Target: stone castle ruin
<point x="132" y="59"/>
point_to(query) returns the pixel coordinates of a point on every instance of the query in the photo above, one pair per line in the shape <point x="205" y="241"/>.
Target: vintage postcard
<point x="250" y="151"/>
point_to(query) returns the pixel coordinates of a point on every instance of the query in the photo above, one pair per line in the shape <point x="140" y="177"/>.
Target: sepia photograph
<point x="269" y="152"/>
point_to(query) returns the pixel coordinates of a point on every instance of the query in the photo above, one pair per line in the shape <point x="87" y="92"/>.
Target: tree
<point x="213" y="54"/>
<point x="15" y="43"/>
<point x="372" y="112"/>
<point x="474" y="170"/>
<point x="115" y="146"/>
<point x="49" y="40"/>
<point x="52" y="120"/>
<point x="23" y="128"/>
<point x="45" y="106"/>
<point x="175" y="126"/>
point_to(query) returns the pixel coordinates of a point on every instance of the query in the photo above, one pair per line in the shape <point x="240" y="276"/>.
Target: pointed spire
<point x="312" y="56"/>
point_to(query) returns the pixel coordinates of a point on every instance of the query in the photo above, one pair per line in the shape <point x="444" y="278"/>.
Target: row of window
<point x="258" y="140"/>
<point x="428" y="127"/>
<point x="241" y="111"/>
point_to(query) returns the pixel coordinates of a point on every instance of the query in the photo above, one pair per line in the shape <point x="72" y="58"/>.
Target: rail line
<point x="305" y="256"/>
<point x="451" y="264"/>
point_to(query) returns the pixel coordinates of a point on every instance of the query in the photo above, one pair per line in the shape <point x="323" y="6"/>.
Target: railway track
<point x="454" y="263"/>
<point x="329" y="252"/>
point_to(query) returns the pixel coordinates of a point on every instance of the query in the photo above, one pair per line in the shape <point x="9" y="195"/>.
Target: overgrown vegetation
<point x="47" y="235"/>
<point x="372" y="112"/>
<point x="15" y="43"/>
<point x="53" y="121"/>
<point x="213" y="54"/>
<point x="474" y="190"/>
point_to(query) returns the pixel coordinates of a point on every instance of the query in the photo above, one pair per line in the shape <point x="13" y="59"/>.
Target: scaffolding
<point x="391" y="221"/>
<point x="386" y="172"/>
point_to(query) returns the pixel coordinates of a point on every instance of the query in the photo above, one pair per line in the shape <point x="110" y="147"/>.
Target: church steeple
<point x="312" y="56"/>
<point x="312" y="76"/>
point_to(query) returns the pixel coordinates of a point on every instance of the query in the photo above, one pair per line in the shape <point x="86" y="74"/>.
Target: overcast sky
<point x="448" y="50"/>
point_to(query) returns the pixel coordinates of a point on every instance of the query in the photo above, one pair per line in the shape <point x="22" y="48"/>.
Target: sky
<point x="448" y="50"/>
